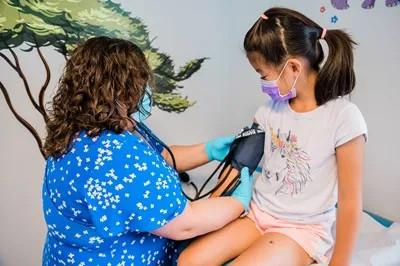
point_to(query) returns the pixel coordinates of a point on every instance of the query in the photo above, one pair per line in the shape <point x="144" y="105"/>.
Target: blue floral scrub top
<point x="102" y="199"/>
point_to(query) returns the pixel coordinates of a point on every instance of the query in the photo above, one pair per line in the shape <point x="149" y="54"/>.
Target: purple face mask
<point x="271" y="88"/>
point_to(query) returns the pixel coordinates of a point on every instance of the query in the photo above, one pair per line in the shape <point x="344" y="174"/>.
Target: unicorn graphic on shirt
<point x="287" y="164"/>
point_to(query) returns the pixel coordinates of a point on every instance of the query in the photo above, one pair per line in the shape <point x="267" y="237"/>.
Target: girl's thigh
<point x="274" y="249"/>
<point x="222" y="245"/>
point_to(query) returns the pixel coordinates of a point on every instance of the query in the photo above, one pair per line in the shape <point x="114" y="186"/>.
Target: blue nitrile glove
<point x="218" y="148"/>
<point x="244" y="191"/>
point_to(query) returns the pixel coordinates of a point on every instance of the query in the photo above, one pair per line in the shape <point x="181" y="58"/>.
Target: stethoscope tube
<point x="184" y="177"/>
<point x="225" y="163"/>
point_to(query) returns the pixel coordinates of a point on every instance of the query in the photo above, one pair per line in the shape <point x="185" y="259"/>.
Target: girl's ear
<point x="295" y="65"/>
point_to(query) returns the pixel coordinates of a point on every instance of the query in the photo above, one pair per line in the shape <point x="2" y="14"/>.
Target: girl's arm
<point x="350" y="157"/>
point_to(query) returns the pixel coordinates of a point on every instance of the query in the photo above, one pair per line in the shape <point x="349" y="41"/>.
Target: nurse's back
<point x="109" y="196"/>
<point x="99" y="202"/>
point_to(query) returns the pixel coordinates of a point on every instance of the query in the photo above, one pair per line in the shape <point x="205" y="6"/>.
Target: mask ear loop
<point x="283" y="69"/>
<point x="274" y="82"/>
<point x="279" y="76"/>
<point x="294" y="82"/>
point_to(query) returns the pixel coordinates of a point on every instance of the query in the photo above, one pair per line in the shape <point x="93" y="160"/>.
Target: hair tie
<point x="263" y="16"/>
<point x="324" y="30"/>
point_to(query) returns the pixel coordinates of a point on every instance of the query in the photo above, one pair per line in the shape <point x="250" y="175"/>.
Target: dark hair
<point x="287" y="33"/>
<point x="103" y="83"/>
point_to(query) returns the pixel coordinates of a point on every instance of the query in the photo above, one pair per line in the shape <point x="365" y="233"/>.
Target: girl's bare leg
<point x="273" y="249"/>
<point x="220" y="246"/>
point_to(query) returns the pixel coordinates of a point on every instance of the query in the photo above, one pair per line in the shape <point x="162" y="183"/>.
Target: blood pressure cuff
<point x="248" y="148"/>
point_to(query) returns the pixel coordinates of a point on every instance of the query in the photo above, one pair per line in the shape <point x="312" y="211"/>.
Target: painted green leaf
<point x="64" y="23"/>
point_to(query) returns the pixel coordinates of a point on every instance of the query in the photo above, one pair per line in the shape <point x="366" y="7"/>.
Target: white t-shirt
<point x="299" y="176"/>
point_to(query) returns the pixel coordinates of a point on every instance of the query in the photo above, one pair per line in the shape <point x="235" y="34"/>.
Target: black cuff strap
<point x="247" y="149"/>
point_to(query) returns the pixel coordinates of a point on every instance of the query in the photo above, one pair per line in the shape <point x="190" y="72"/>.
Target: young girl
<point x="314" y="148"/>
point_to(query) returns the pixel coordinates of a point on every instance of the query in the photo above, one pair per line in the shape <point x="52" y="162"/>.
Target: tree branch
<point x="22" y="120"/>
<point x="44" y="86"/>
<point x="8" y="61"/>
<point x="25" y="81"/>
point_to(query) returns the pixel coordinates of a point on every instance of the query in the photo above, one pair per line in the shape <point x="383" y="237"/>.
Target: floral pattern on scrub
<point x="102" y="199"/>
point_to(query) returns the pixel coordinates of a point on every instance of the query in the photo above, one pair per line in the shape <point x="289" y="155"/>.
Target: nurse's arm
<point x="187" y="157"/>
<point x="201" y="217"/>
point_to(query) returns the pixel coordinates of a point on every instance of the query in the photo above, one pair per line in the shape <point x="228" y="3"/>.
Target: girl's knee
<point x="192" y="258"/>
<point x="186" y="258"/>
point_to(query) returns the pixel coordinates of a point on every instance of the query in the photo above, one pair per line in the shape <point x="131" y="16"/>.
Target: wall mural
<point x="29" y="25"/>
<point x="366" y="4"/>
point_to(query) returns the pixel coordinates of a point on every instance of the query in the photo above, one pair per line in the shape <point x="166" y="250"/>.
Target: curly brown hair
<point x="103" y="83"/>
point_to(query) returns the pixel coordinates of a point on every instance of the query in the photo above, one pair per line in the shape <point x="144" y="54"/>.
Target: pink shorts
<point x="316" y="239"/>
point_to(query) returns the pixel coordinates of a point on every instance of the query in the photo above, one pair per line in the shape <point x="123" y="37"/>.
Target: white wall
<point x="227" y="94"/>
<point x="227" y="85"/>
